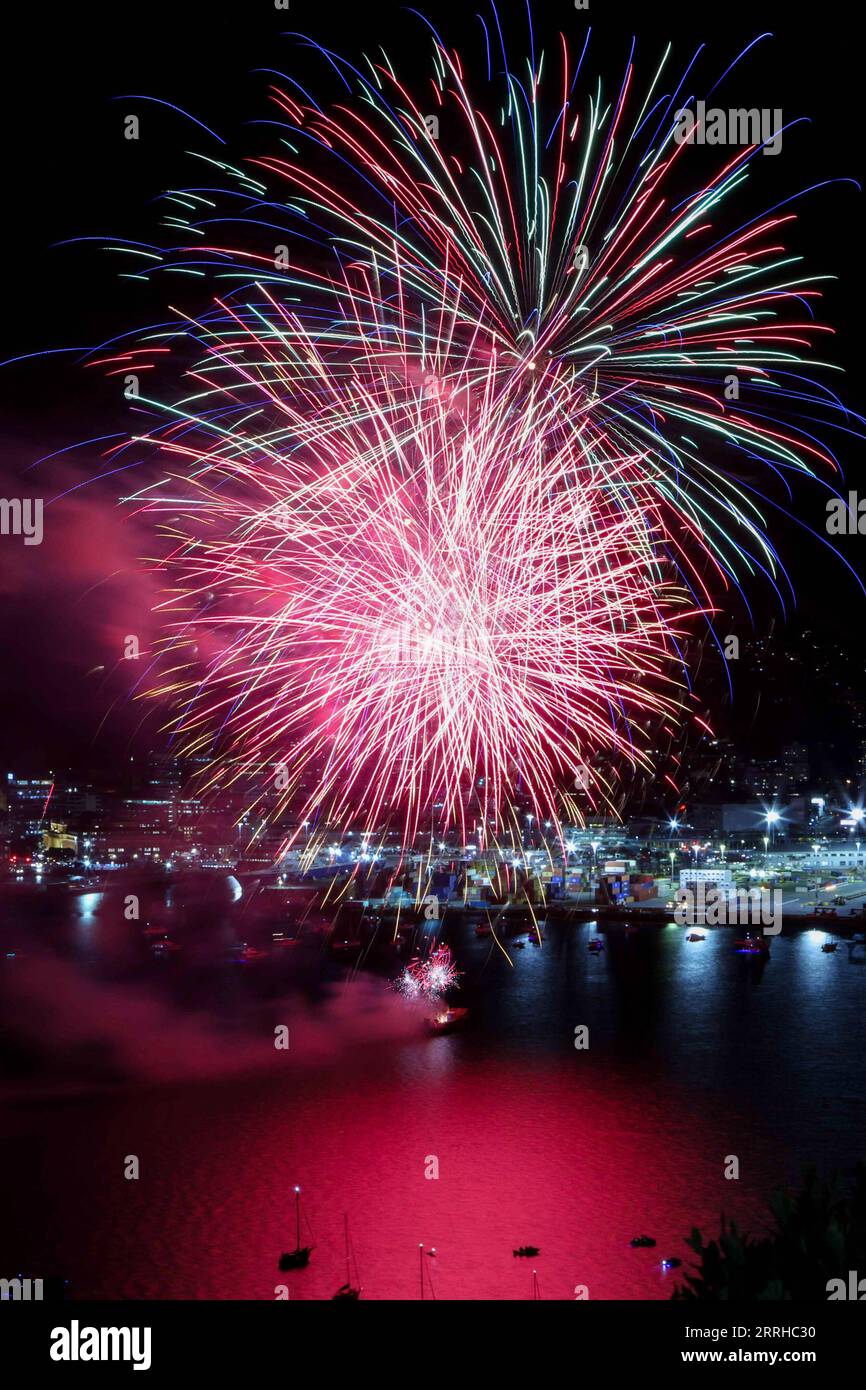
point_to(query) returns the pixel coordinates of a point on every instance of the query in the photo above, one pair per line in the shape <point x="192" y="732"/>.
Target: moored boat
<point x="752" y="946"/>
<point x="348" y="1291"/>
<point x="298" y="1258"/>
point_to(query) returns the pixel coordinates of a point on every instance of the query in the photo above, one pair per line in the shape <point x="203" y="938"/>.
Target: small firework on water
<point x="430" y="978"/>
<point x="441" y="972"/>
<point x="408" y="984"/>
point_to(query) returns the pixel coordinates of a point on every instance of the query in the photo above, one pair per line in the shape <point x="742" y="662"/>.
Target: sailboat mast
<point x="298" y="1215"/>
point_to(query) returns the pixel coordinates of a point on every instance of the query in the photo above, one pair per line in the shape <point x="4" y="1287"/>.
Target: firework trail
<point x="563" y="246"/>
<point x="434" y="518"/>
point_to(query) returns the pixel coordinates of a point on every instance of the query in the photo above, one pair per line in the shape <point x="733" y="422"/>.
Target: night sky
<point x="69" y="173"/>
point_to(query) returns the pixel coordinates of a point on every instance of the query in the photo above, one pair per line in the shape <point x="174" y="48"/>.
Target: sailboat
<point x="298" y="1258"/>
<point x="348" y="1290"/>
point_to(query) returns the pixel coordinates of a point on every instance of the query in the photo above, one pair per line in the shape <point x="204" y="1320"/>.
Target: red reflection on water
<point x="562" y="1154"/>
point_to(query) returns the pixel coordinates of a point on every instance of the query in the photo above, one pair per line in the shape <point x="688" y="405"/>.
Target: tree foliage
<point x="818" y="1234"/>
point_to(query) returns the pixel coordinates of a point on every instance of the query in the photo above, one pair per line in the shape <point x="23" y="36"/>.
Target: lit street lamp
<point x="594" y="844"/>
<point x="816" y="850"/>
<point x="772" y="817"/>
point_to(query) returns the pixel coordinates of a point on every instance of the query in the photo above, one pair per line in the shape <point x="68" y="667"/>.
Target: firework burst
<point x="430" y="978"/>
<point x="569" y="231"/>
<point x="434" y="519"/>
<point x="444" y="593"/>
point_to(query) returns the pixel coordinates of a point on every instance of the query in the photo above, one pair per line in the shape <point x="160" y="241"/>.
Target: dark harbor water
<point x="695" y="1054"/>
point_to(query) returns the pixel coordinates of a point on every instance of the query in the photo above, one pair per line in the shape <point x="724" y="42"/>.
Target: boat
<point x="85" y="885"/>
<point x="279" y="940"/>
<point x="752" y="946"/>
<point x="421" y="1253"/>
<point x="298" y="1258"/>
<point x="524" y="1251"/>
<point x="247" y="955"/>
<point x="671" y="1263"/>
<point x="695" y="936"/>
<point x="348" y="1291"/>
<point x="347" y="946"/>
<point x="596" y="944"/>
<point x="483" y="929"/>
<point x="447" y="1019"/>
<point x="518" y="945"/>
<point x="829" y="945"/>
<point x="641" y="1242"/>
<point x="164" y="947"/>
